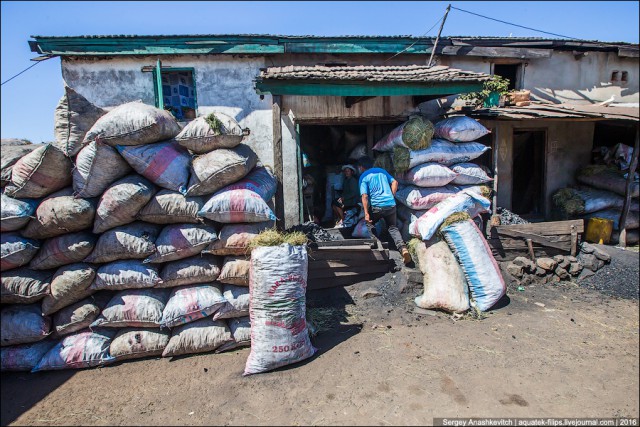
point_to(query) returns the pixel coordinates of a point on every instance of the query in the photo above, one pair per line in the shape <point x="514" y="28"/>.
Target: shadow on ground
<point x="20" y="391"/>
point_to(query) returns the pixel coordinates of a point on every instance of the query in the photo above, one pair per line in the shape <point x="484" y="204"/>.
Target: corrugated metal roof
<point x="318" y="37"/>
<point x="370" y="73"/>
<point x="538" y="110"/>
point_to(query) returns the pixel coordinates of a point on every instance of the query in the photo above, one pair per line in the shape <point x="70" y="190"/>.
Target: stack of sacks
<point x="601" y="195"/>
<point x="434" y="174"/>
<point x="459" y="270"/>
<point x="97" y="227"/>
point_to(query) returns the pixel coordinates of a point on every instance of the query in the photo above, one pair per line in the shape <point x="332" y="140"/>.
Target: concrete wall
<point x="224" y="84"/>
<point x="568" y="148"/>
<point x="564" y="77"/>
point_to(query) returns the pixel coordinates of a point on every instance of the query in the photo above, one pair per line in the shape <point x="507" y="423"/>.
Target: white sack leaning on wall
<point x="277" y="286"/>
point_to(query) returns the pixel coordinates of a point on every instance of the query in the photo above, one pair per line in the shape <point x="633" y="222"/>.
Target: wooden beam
<point x="350" y="101"/>
<point x="278" y="166"/>
<point x="550" y="228"/>
<point x="496" y="143"/>
<point x="541" y="240"/>
<point x="496" y="52"/>
<point x="627" y="197"/>
<point x="628" y="52"/>
<point x="347" y="271"/>
<point x="370" y="141"/>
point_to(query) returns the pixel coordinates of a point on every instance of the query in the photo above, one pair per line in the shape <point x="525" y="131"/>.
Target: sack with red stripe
<point x="233" y="206"/>
<point x="63" y="250"/>
<point x="39" y="173"/>
<point x="166" y="164"/>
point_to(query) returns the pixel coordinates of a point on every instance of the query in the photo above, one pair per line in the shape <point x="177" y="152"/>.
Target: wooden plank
<point x="541" y="240"/>
<point x="344" y="242"/>
<point x="627" y="192"/>
<point x="370" y="141"/>
<point x="625" y="52"/>
<point x="513" y="254"/>
<point x="348" y="271"/>
<point x="546" y="228"/>
<point x="329" y="254"/>
<point x="341" y="263"/>
<point x="278" y="165"/>
<point x="496" y="52"/>
<point x="521" y="244"/>
<point x="348" y="255"/>
<point x="324" y="283"/>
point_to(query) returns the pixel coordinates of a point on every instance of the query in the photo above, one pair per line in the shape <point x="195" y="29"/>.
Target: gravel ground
<point x="620" y="277"/>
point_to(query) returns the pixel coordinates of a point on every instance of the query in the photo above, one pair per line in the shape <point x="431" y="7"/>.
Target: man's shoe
<point x="406" y="256"/>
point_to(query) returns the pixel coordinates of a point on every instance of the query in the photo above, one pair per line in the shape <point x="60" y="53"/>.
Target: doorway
<point x="324" y="149"/>
<point x="527" y="197"/>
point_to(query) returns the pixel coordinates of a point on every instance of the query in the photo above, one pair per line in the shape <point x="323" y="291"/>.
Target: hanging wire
<point x="539" y="31"/>
<point x="411" y="45"/>
<point x="26" y="69"/>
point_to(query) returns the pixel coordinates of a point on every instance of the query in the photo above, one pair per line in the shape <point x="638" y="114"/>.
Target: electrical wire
<point x="539" y="31"/>
<point x="26" y="69"/>
<point x="411" y="45"/>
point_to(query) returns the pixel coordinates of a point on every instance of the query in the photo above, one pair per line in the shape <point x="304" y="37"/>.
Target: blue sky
<point x="29" y="100"/>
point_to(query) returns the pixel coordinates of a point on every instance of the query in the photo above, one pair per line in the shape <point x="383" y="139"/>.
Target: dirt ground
<point x="549" y="351"/>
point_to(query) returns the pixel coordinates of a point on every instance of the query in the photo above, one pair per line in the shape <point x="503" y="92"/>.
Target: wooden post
<point x="370" y="141"/>
<point x="531" y="253"/>
<point x="574" y="240"/>
<point x="627" y="197"/>
<point x="495" y="219"/>
<point x="278" y="168"/>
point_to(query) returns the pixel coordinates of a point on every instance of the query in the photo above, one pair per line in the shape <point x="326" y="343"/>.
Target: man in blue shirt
<point x="377" y="190"/>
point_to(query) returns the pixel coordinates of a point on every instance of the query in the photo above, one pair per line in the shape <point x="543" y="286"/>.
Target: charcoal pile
<point x="509" y="218"/>
<point x="313" y="231"/>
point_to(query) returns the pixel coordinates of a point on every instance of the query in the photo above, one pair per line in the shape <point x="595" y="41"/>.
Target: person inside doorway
<point x="345" y="208"/>
<point x="377" y="190"/>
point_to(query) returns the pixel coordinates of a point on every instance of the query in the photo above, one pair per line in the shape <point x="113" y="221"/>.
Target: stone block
<point x="575" y="268"/>
<point x="515" y="270"/>
<point x="548" y="264"/>
<point x="561" y="273"/>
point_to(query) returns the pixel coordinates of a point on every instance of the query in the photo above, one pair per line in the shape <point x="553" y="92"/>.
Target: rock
<point x="589" y="261"/>
<point x="554" y="279"/>
<point x="562" y="261"/>
<point x="601" y="255"/>
<point x="571" y="258"/>
<point x="575" y="268"/>
<point x="528" y="265"/>
<point x="561" y="273"/>
<point x="585" y="273"/>
<point x="601" y="263"/>
<point x="515" y="270"/>
<point x="370" y="293"/>
<point x="420" y="310"/>
<point x="528" y="281"/>
<point x="541" y="272"/>
<point x="546" y="263"/>
<point x="587" y="248"/>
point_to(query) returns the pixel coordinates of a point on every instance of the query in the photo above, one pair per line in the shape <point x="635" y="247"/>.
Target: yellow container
<point x="599" y="230"/>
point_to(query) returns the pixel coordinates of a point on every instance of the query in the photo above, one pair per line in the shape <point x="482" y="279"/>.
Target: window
<point x="509" y="71"/>
<point x="176" y="92"/>
<point x="625" y="77"/>
<point x="614" y="76"/>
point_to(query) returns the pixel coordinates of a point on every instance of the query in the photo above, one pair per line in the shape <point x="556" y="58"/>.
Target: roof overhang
<point x="261" y="44"/>
<point x="368" y="81"/>
<point x="572" y="112"/>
